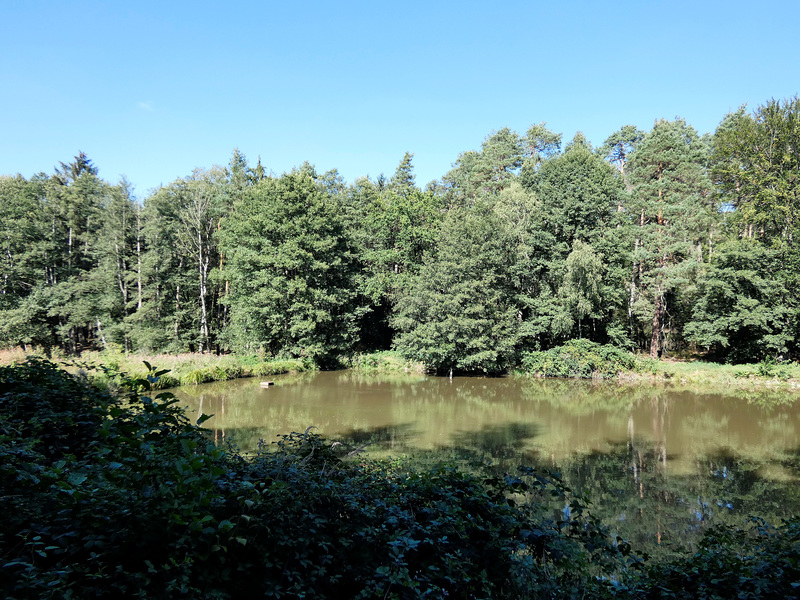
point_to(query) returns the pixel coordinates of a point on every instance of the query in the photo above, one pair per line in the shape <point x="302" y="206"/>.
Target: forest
<point x="664" y="242"/>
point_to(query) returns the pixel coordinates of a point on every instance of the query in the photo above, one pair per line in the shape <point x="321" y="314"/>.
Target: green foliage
<point x="742" y="311"/>
<point x="620" y="144"/>
<point x="755" y="159"/>
<point x="653" y="254"/>
<point x="291" y="270"/>
<point x="383" y="362"/>
<point x="393" y="229"/>
<point x="762" y="562"/>
<point x="579" y="358"/>
<point x="673" y="223"/>
<point x="574" y="262"/>
<point x="189" y="369"/>
<point x="458" y="314"/>
<point x="109" y="497"/>
<point x="755" y="162"/>
<point x="772" y="368"/>
<point x="488" y="171"/>
<point x="581" y="286"/>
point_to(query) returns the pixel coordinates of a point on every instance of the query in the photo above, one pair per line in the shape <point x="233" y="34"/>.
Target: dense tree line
<point x="660" y="241"/>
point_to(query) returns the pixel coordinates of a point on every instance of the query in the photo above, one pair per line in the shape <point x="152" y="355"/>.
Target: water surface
<point x="554" y="419"/>
<point x="660" y="463"/>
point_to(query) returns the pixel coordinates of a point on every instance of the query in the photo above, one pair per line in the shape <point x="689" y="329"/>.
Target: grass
<point x="770" y="373"/>
<point x="190" y="369"/>
<point x="184" y="369"/>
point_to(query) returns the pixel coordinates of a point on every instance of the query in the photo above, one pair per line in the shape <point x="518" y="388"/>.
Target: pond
<point x="660" y="463"/>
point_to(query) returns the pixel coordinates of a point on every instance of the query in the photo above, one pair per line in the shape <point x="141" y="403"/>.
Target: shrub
<point x="579" y="358"/>
<point x="137" y="503"/>
<point x="762" y="562"/>
<point x="109" y="496"/>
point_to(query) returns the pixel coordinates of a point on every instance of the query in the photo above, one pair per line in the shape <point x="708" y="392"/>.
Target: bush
<point x="579" y="358"/>
<point x="121" y="496"/>
<point x="763" y="562"/>
<point x="383" y="362"/>
<point x="108" y="496"/>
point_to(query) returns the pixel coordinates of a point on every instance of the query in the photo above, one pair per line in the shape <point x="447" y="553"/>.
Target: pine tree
<point x="672" y="214"/>
<point x="402" y="182"/>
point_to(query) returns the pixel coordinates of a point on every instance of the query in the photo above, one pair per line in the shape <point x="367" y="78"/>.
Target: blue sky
<point x="151" y="90"/>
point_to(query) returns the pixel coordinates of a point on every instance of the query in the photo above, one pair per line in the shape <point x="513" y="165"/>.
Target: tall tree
<point x="486" y="172"/>
<point x="115" y="275"/>
<point x="620" y="145"/>
<point x="183" y="219"/>
<point x="756" y="163"/>
<point x="75" y="200"/>
<point x="292" y="271"/>
<point x="743" y="311"/>
<point x="402" y="182"/>
<point x="582" y="285"/>
<point x="746" y="308"/>
<point x="26" y="246"/>
<point x="392" y="232"/>
<point x="459" y="313"/>
<point x="670" y="204"/>
<point x="578" y="194"/>
<point x="540" y="144"/>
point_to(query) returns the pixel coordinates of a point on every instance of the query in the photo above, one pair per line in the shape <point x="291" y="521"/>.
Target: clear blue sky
<point x="151" y="90"/>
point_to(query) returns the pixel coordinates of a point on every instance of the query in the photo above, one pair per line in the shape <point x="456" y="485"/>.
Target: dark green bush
<point x="109" y="497"/>
<point x="128" y="499"/>
<point x="761" y="562"/>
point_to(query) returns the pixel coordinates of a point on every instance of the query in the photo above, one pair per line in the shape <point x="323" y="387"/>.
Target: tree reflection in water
<point x="660" y="464"/>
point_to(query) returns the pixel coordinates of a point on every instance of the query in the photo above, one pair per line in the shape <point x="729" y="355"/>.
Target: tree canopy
<point x="663" y="241"/>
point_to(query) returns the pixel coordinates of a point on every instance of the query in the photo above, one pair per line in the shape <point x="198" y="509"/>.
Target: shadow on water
<point x="660" y="464"/>
<point x="631" y="486"/>
<point x="488" y="444"/>
<point x="496" y="442"/>
<point x="388" y="438"/>
<point x="394" y="438"/>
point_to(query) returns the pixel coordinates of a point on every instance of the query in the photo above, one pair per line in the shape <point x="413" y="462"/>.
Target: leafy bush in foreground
<point x="107" y="497"/>
<point x="763" y="562"/>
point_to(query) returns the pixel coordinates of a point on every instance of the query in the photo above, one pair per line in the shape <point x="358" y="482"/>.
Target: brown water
<point x="660" y="462"/>
<point x="553" y="418"/>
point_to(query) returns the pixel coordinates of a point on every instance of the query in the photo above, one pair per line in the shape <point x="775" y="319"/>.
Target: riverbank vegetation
<point x="110" y="368"/>
<point x="108" y="495"/>
<point x="577" y="359"/>
<point x="663" y="242"/>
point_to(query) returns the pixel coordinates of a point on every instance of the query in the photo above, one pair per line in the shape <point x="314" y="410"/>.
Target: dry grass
<point x="12" y="356"/>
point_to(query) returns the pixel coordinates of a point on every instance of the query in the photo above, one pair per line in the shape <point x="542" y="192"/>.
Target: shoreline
<point x="192" y="369"/>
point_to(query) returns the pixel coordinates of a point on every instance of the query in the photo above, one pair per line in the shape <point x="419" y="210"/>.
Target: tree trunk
<point x="203" y="272"/>
<point x="178" y="302"/>
<point x="655" y="339"/>
<point x="139" y="258"/>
